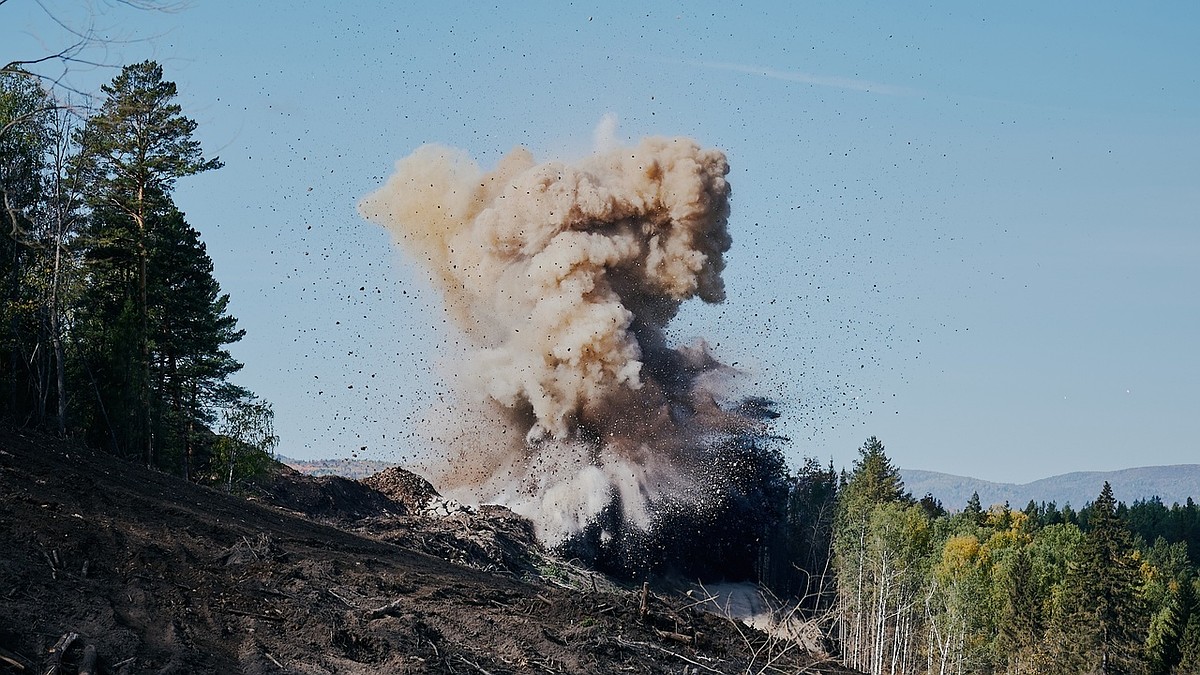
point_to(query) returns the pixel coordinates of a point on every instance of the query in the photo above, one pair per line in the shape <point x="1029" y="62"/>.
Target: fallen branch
<point x="53" y="567"/>
<point x="15" y="660"/>
<point x="253" y="615"/>
<point x="701" y="601"/>
<point x="54" y="660"/>
<point x="273" y="660"/>
<point x="474" y="665"/>
<point x="644" y="609"/>
<point x="271" y="591"/>
<point x="681" y="657"/>
<point x="346" y="602"/>
<point x="826" y="660"/>
<point x="546" y="664"/>
<point x="380" y="612"/>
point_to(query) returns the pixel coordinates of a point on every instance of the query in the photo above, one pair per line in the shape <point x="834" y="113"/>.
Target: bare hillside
<point x="155" y="575"/>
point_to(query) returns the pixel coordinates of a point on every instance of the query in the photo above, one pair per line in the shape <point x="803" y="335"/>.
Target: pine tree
<point x="806" y="532"/>
<point x="133" y="150"/>
<point x="875" y="480"/>
<point x="1189" y="640"/>
<point x="1168" y="596"/>
<point x="106" y="337"/>
<point x="974" y="510"/>
<point x="1022" y="624"/>
<point x="1163" y="647"/>
<point x="1101" y="624"/>
<point x="873" y="495"/>
<point x="190" y="327"/>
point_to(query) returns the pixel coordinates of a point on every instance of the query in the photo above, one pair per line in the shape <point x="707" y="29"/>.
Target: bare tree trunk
<point x="860" y="657"/>
<point x="63" y="207"/>
<point x="232" y="458"/>
<point x="177" y="407"/>
<point x="60" y="370"/>
<point x="187" y="432"/>
<point x="144" y="337"/>
<point x="880" y="619"/>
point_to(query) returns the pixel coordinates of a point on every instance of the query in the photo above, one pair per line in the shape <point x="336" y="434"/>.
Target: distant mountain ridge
<point x="354" y="469"/>
<point x="1170" y="483"/>
<point x="1175" y="483"/>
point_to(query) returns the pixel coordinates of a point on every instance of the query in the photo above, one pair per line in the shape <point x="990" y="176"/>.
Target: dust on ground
<point x="157" y="575"/>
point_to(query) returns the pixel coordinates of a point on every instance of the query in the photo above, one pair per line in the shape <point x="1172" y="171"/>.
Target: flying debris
<point x="571" y="407"/>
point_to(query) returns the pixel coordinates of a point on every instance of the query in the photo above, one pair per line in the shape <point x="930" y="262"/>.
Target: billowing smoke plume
<point x="563" y="278"/>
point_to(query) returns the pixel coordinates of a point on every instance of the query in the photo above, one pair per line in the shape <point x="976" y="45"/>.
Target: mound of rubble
<point x="398" y="506"/>
<point x="404" y="487"/>
<point x="330" y="498"/>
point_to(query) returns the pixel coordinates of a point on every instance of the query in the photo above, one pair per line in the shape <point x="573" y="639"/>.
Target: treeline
<point x="903" y="586"/>
<point x="114" y="328"/>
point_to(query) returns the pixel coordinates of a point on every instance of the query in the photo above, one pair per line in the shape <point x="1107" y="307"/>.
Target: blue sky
<point x="970" y="229"/>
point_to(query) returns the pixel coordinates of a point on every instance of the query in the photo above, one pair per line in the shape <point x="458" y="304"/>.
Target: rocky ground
<point x="144" y="573"/>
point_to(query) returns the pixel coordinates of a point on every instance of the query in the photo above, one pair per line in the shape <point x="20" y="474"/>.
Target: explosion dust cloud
<point x="563" y="278"/>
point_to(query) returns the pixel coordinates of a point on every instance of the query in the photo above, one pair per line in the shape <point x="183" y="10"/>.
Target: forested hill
<point x="1170" y="483"/>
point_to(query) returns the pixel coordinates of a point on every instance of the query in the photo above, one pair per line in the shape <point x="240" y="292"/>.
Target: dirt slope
<point x="162" y="576"/>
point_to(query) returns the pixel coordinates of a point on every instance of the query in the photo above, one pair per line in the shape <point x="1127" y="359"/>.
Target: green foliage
<point x="882" y="542"/>
<point x="800" y="556"/>
<point x="150" y="280"/>
<point x="1051" y="551"/>
<point x="245" y="447"/>
<point x="1189" y="640"/>
<point x="1150" y="519"/>
<point x="874" y="479"/>
<point x="1040" y="590"/>
<point x="1100" y="622"/>
<point x="132" y="152"/>
<point x="189" y="330"/>
<point x="139" y="142"/>
<point x="973" y="510"/>
<point x="26" y="134"/>
<point x="114" y="328"/>
<point x="1022" y="623"/>
<point x="1164" y="642"/>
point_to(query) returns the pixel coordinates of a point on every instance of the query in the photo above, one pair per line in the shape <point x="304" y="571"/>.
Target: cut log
<point x="88" y="665"/>
<point x="677" y="637"/>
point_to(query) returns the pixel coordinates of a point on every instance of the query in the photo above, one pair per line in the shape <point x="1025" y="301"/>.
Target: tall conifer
<point x="1102" y="623"/>
<point x="133" y="150"/>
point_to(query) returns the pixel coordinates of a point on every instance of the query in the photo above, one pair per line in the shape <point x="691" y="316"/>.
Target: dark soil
<point x="311" y="576"/>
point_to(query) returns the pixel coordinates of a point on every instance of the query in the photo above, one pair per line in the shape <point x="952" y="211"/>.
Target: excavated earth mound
<point x="101" y="558"/>
<point x="404" y="487"/>
<point x="400" y="507"/>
